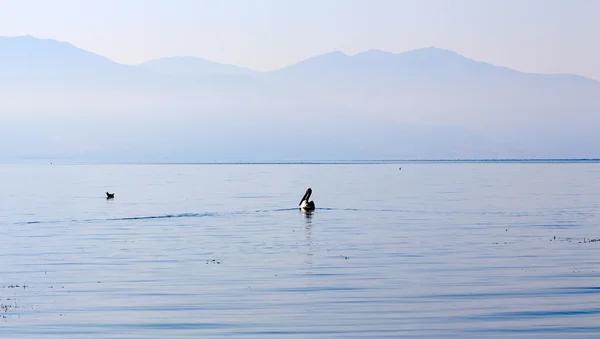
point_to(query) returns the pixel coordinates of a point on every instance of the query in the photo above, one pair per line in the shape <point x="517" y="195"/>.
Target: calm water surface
<point x="188" y="251"/>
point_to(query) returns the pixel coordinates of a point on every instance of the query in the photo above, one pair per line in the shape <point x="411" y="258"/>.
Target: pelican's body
<point x="305" y="204"/>
<point x="110" y="195"/>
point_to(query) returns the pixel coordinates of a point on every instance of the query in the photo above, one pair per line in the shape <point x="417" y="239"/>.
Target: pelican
<point x="110" y="195"/>
<point x="306" y="205"/>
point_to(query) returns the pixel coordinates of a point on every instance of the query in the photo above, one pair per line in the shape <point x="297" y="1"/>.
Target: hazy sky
<point x="547" y="36"/>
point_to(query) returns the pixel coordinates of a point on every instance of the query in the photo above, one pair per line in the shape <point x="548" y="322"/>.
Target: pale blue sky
<point x="547" y="36"/>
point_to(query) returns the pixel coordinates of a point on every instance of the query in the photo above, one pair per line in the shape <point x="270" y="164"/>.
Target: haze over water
<point x="187" y="251"/>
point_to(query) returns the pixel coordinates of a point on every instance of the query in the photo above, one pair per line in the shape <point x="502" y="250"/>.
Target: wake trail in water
<point x="166" y="216"/>
<point x="198" y="215"/>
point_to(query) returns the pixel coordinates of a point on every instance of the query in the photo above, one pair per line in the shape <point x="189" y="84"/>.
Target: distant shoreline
<point x="323" y="162"/>
<point x="379" y="162"/>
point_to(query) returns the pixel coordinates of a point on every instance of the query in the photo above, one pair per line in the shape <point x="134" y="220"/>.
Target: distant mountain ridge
<point x="59" y="100"/>
<point x="195" y="66"/>
<point x="32" y="51"/>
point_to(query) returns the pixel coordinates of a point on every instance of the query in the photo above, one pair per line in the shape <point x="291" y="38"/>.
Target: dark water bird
<point x="110" y="195"/>
<point x="306" y="205"/>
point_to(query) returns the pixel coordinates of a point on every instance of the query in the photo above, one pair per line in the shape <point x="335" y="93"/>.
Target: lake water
<point x="460" y="250"/>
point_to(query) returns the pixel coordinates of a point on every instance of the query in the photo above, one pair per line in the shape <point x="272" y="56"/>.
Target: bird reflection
<point x="308" y="236"/>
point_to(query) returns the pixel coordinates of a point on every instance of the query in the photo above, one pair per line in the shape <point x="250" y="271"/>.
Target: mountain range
<point x="58" y="101"/>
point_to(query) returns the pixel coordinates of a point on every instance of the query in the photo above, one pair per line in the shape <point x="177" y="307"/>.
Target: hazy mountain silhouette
<point x="28" y="59"/>
<point x="57" y="100"/>
<point x="421" y="64"/>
